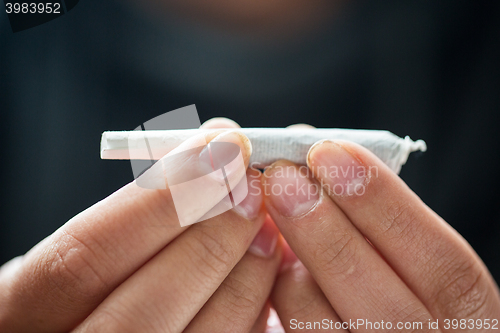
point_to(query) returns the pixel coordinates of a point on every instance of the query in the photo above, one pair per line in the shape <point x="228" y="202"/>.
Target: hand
<point x="125" y="265"/>
<point x="370" y="249"/>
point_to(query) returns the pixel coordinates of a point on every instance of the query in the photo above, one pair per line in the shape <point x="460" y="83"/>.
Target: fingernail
<point x="264" y="243"/>
<point x="220" y="122"/>
<point x="200" y="176"/>
<point x="227" y="154"/>
<point x="340" y="172"/>
<point x="290" y="191"/>
<point x="249" y="208"/>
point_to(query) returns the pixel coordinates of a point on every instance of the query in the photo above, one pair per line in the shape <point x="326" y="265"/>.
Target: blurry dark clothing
<point x="426" y="69"/>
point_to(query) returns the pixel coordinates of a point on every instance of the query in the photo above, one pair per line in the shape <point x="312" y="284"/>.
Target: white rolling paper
<point x="269" y="144"/>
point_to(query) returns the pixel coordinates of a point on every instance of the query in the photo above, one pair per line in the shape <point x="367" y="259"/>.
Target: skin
<point x="381" y="255"/>
<point x="122" y="265"/>
<point x="125" y="265"/>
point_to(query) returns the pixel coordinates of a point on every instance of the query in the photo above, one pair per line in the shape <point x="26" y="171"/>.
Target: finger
<point x="220" y="122"/>
<point x="300" y="303"/>
<point x="357" y="282"/>
<point x="261" y="322"/>
<point x="236" y="305"/>
<point x="63" y="278"/>
<point x="169" y="290"/>
<point x="431" y="257"/>
<point x="300" y="126"/>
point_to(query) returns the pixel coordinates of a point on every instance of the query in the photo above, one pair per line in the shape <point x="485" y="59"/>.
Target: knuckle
<point x="303" y="309"/>
<point x="241" y="298"/>
<point x="211" y="254"/>
<point x="463" y="291"/>
<point x="413" y="313"/>
<point x="303" y="305"/>
<point x="339" y="257"/>
<point x="70" y="268"/>
<point x="398" y="219"/>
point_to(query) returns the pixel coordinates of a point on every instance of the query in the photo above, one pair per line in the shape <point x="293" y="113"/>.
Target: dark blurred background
<point x="428" y="69"/>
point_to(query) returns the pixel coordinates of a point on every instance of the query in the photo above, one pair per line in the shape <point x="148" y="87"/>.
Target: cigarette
<point x="268" y="144"/>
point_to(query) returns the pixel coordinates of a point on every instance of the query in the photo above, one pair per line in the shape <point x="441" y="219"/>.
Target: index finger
<point x="430" y="256"/>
